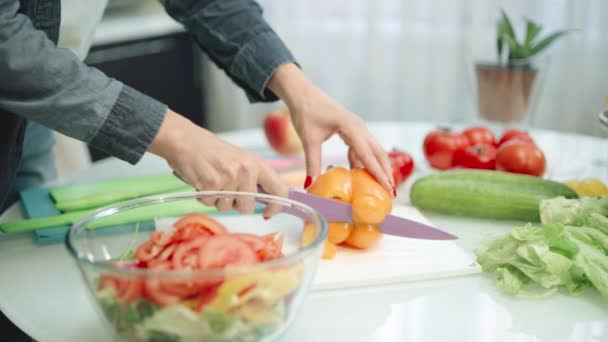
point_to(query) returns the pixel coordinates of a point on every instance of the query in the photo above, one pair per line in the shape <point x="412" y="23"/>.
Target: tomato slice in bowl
<point x="273" y="246"/>
<point x="226" y="250"/>
<point x="254" y="241"/>
<point x="191" y="232"/>
<point x="207" y="295"/>
<point x="148" y="251"/>
<point x="186" y="255"/>
<point x="162" y="238"/>
<point x="125" y="289"/>
<point x="154" y="290"/>
<point x="203" y="221"/>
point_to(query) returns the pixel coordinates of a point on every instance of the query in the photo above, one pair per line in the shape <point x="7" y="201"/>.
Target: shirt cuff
<point x="131" y="125"/>
<point x="256" y="63"/>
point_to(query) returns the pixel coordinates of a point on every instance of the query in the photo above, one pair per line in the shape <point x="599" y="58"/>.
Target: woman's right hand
<point x="208" y="163"/>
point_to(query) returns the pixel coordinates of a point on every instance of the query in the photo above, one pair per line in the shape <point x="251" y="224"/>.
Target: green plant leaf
<point x="532" y="31"/>
<point x="507" y="27"/>
<point x="545" y="42"/>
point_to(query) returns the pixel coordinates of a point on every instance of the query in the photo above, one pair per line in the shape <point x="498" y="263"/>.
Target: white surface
<point x="391" y="260"/>
<point x="131" y="22"/>
<point x="42" y="292"/>
<point x="395" y="260"/>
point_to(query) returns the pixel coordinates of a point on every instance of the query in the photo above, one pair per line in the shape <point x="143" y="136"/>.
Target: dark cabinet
<point x="166" y="68"/>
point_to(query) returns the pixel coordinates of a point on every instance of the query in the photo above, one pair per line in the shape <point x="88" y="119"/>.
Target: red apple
<point x="280" y="132"/>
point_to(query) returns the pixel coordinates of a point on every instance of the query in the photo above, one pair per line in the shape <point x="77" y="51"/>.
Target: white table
<point x="41" y="290"/>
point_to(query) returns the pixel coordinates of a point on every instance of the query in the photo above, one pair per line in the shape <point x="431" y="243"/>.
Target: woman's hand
<point x="316" y="117"/>
<point x="207" y="163"/>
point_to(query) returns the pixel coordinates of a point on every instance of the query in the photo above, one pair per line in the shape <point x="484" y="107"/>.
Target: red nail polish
<point x="394" y="192"/>
<point x="307" y="182"/>
<point x="266" y="218"/>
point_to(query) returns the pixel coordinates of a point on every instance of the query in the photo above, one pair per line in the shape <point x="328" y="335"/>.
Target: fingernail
<point x="266" y="218"/>
<point x="394" y="192"/>
<point x="307" y="182"/>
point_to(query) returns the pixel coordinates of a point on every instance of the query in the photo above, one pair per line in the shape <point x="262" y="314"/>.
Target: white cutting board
<point x="395" y="260"/>
<point x="391" y="260"/>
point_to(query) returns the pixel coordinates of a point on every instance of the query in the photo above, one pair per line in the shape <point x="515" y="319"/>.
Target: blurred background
<point x="409" y="60"/>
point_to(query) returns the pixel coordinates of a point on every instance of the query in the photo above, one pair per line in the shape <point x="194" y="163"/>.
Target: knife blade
<point x="335" y="211"/>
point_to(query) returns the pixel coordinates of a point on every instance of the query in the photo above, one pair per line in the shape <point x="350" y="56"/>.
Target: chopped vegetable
<point x="485" y="194"/>
<point x="370" y="202"/>
<point x="586" y="211"/>
<point x="94" y="195"/>
<point x="588" y="187"/>
<point x="239" y="307"/>
<point x="149" y="212"/>
<point x="569" y="251"/>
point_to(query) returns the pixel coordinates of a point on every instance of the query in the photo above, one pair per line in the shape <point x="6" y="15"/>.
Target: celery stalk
<point x="105" y="198"/>
<point x="146" y="213"/>
<point x="94" y="195"/>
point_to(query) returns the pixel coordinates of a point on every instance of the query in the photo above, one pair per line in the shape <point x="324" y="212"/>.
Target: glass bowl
<point x="154" y="277"/>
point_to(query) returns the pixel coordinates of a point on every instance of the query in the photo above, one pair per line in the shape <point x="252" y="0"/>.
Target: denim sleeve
<point x="237" y="38"/>
<point x="53" y="87"/>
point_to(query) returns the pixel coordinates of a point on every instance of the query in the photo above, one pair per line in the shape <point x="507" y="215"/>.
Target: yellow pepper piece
<point x="593" y="187"/>
<point x="268" y="286"/>
<point x="574" y="185"/>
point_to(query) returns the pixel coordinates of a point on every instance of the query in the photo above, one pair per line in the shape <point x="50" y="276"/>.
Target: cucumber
<point x="485" y="194"/>
<point x="522" y="182"/>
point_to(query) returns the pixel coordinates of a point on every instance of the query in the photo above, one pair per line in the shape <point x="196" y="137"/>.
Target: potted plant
<point x="504" y="88"/>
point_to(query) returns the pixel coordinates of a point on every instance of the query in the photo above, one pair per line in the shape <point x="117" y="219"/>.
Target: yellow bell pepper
<point x="268" y="286"/>
<point x="589" y="187"/>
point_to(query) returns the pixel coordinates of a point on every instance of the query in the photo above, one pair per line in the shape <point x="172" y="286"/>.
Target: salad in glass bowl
<point x="194" y="274"/>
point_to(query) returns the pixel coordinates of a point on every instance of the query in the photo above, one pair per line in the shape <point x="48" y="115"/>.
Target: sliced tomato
<point x="273" y="246"/>
<point x="203" y="221"/>
<point x="125" y="289"/>
<point x="183" y="288"/>
<point x="226" y="250"/>
<point x="186" y="255"/>
<point x="162" y="238"/>
<point x="254" y="241"/>
<point x="147" y="251"/>
<point x="191" y="232"/>
<point x="153" y="288"/>
<point x="207" y="295"/>
<point x="167" y="253"/>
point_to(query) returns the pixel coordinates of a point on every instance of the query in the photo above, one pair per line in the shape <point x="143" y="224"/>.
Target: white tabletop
<point x="42" y="292"/>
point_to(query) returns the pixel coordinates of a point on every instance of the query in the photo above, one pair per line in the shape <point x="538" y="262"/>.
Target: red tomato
<point x="520" y="157"/>
<point x="266" y="247"/>
<point x="479" y="135"/>
<point x="480" y="156"/>
<point x="202" y="221"/>
<point x="514" y="134"/>
<point x="167" y="253"/>
<point x="183" y="288"/>
<point x="191" y="232"/>
<point x="162" y="238"/>
<point x="154" y="290"/>
<point x="225" y="250"/>
<point x="125" y="289"/>
<point x="255" y="242"/>
<point x="402" y="164"/>
<point x="206" y="296"/>
<point x="147" y="251"/>
<point x="274" y="246"/>
<point x="186" y="255"/>
<point x="440" y="147"/>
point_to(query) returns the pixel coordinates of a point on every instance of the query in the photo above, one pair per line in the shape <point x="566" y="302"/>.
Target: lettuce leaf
<point x="551" y="256"/>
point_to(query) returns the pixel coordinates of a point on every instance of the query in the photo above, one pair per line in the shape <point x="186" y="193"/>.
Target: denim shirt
<point x="51" y="86"/>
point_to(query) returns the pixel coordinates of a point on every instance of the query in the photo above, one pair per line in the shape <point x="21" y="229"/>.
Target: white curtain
<point x="411" y="60"/>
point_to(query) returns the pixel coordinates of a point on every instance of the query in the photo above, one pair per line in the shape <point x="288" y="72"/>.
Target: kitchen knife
<point x="335" y="211"/>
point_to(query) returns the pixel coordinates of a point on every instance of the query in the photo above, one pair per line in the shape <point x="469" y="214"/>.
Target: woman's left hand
<point x="316" y="117"/>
